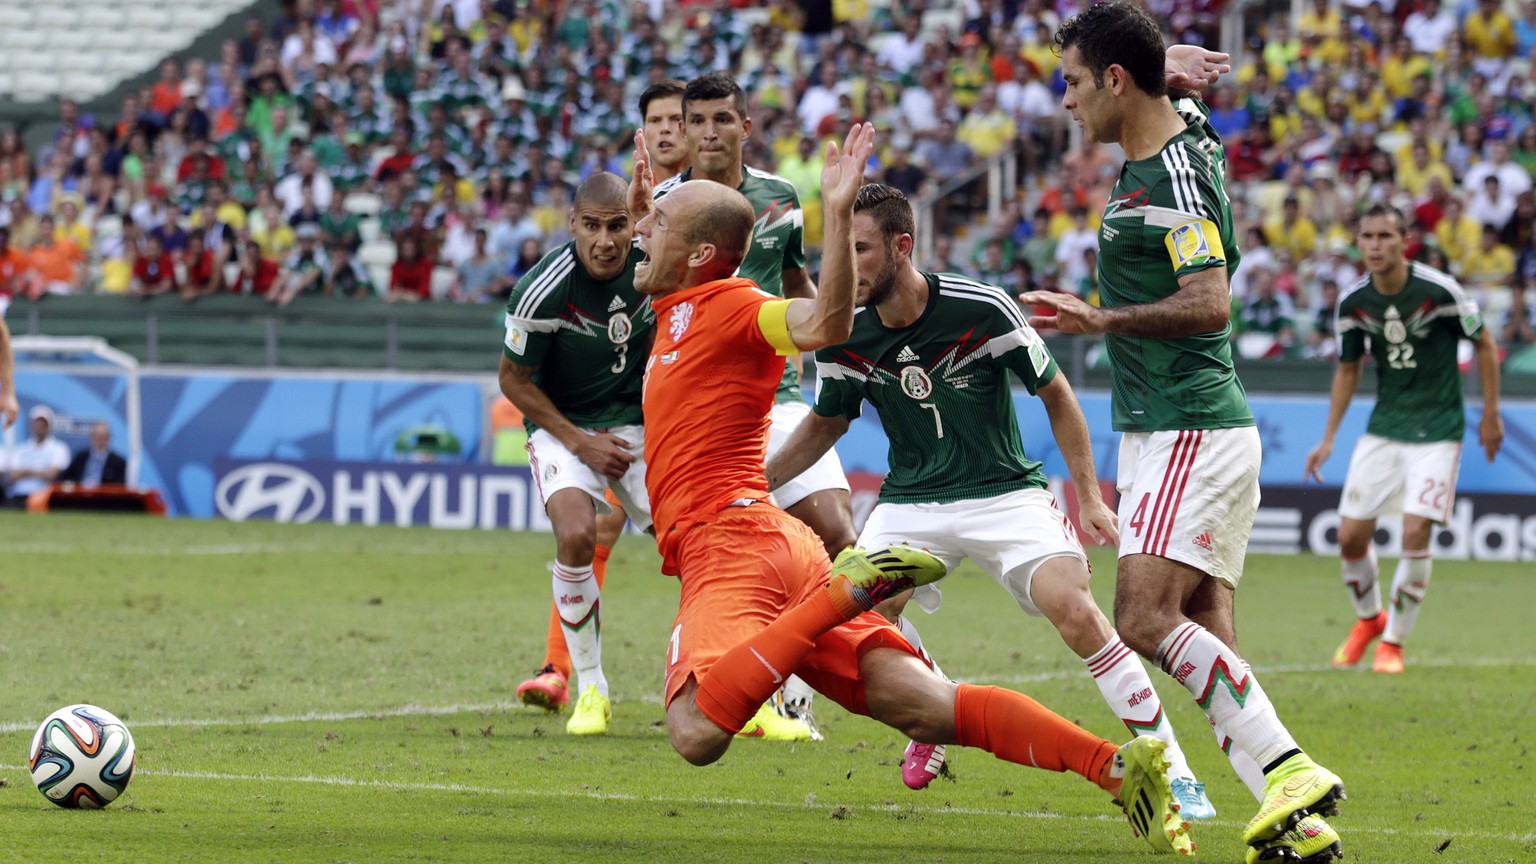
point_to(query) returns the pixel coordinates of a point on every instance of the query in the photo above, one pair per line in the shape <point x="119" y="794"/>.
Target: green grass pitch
<point x="325" y="694"/>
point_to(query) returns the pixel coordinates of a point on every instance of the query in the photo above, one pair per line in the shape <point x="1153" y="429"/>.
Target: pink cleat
<point x="921" y="763"/>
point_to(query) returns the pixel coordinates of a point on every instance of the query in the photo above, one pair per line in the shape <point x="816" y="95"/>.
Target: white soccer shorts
<point x="1388" y="477"/>
<point x="1008" y="536"/>
<point x="555" y="468"/>
<point x="827" y="473"/>
<point x="1190" y="496"/>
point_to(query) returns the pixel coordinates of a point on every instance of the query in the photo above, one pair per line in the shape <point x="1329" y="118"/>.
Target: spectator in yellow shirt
<point x="1402" y="66"/>
<point x="1413" y="175"/>
<point x="1293" y="230"/>
<point x="1490" y="36"/>
<point x="1321" y="19"/>
<point x="1490" y="269"/>
<point x="987" y="128"/>
<point x="1458" y="234"/>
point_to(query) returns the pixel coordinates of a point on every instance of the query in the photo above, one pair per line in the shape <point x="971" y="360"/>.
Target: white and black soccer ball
<point x="82" y="757"/>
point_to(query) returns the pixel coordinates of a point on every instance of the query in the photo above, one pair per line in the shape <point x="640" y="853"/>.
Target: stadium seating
<point x="85" y="48"/>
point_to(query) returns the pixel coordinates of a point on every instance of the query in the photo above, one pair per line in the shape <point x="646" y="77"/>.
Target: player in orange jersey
<point x="760" y="599"/>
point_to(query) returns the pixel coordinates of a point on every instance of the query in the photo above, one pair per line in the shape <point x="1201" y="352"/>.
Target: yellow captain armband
<point x="1195" y="244"/>
<point x="773" y="321"/>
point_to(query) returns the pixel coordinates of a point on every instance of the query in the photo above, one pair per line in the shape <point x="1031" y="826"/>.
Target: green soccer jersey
<point x="1412" y="338"/>
<point x="1169" y="217"/>
<point x="778" y="243"/>
<point x="941" y="388"/>
<point x="589" y="338"/>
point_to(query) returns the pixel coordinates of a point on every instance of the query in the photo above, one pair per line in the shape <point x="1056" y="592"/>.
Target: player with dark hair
<point x="932" y="352"/>
<point x="662" y="119"/>
<point x="1411" y="319"/>
<point x="716" y="127"/>
<point x="576" y="331"/>
<point x="1189" y="452"/>
<point x="759" y="598"/>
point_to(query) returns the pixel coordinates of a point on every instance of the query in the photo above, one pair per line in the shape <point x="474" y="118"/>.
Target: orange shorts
<point x="740" y="572"/>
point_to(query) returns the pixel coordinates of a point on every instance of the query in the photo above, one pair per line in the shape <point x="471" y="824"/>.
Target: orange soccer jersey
<point x="709" y="385"/>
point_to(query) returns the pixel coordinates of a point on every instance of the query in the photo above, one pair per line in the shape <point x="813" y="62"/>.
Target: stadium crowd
<point x="428" y="149"/>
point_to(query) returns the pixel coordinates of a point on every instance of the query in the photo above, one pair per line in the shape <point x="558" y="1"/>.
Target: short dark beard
<point x="884" y="284"/>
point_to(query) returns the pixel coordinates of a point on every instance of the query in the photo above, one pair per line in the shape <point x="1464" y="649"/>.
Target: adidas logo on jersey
<point x="906" y="355"/>
<point x="616" y="305"/>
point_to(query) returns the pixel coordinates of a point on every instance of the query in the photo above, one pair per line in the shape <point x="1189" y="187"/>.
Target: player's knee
<point x="1416" y="533"/>
<point x="696" y="751"/>
<point x="1141" y="630"/>
<point x="575" y="545"/>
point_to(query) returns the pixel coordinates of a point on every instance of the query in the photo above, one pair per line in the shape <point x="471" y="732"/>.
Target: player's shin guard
<point x="1409" y="585"/>
<point x="1360" y="577"/>
<point x="1225" y="690"/>
<point x="1125" y="685"/>
<point x="579" y="604"/>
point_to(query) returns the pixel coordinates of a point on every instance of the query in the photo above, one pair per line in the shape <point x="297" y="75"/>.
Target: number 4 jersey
<point x="588" y="338"/>
<point x="1412" y="337"/>
<point x="942" y="391"/>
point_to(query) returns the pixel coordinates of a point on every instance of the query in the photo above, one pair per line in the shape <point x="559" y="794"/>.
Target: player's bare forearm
<point x="1070" y="428"/>
<point x="1346" y="380"/>
<point x="828" y="319"/>
<point x="1488" y="370"/>
<point x="1490" y="431"/>
<point x="8" y="405"/>
<point x="517" y="385"/>
<point x="1201" y="305"/>
<point x="810" y="441"/>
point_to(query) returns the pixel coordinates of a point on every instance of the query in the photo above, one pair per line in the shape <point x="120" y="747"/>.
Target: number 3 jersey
<point x="1412" y="337"/>
<point x="588" y="337"/>
<point x="941" y="389"/>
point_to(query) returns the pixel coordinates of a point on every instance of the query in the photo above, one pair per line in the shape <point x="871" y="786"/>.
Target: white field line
<point x="219" y="549"/>
<point x="811" y="802"/>
<point x="417" y="710"/>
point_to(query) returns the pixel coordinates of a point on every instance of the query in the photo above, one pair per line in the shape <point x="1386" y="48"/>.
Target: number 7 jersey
<point x="941" y="387"/>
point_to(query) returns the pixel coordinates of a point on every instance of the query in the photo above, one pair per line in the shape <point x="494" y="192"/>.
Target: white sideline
<point x="811" y="802"/>
<point x="417" y="710"/>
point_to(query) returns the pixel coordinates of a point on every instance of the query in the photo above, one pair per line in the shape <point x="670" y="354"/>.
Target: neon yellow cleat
<point x="1147" y="798"/>
<point x="593" y="711"/>
<point x="882" y="573"/>
<point x="768" y="725"/>
<point x="1312" y="841"/>
<point x="1298" y="788"/>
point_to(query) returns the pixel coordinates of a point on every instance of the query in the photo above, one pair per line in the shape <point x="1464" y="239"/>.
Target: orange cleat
<point x="1360" y="638"/>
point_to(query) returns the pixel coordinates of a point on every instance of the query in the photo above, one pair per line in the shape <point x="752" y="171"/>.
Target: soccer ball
<point x="82" y="757"/>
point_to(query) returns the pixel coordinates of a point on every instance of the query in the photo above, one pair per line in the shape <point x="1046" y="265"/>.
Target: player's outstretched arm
<point x="1070" y="429"/>
<point x="1201" y="305"/>
<point x="603" y="452"/>
<point x="810" y="441"/>
<point x="828" y="319"/>
<point x="1490" y="431"/>
<point x="643" y="184"/>
<point x="1346" y="380"/>
<point x="9" y="409"/>
<point x="1191" y="68"/>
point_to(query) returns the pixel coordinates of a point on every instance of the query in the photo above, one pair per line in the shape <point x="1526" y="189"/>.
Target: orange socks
<point x="555" y="652"/>
<point x="1016" y="728"/>
<point x="745" y="676"/>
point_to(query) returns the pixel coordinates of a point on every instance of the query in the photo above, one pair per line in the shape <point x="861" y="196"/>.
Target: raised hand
<point x="1190" y="67"/>
<point x="842" y="171"/>
<point x="643" y="183"/>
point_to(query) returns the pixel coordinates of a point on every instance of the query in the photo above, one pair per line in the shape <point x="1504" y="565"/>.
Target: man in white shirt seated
<point x="35" y="463"/>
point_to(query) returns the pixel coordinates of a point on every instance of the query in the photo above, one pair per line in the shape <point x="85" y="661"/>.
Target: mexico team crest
<point x="619" y="329"/>
<point x="915" y="382"/>
<point x="1393" y="328"/>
